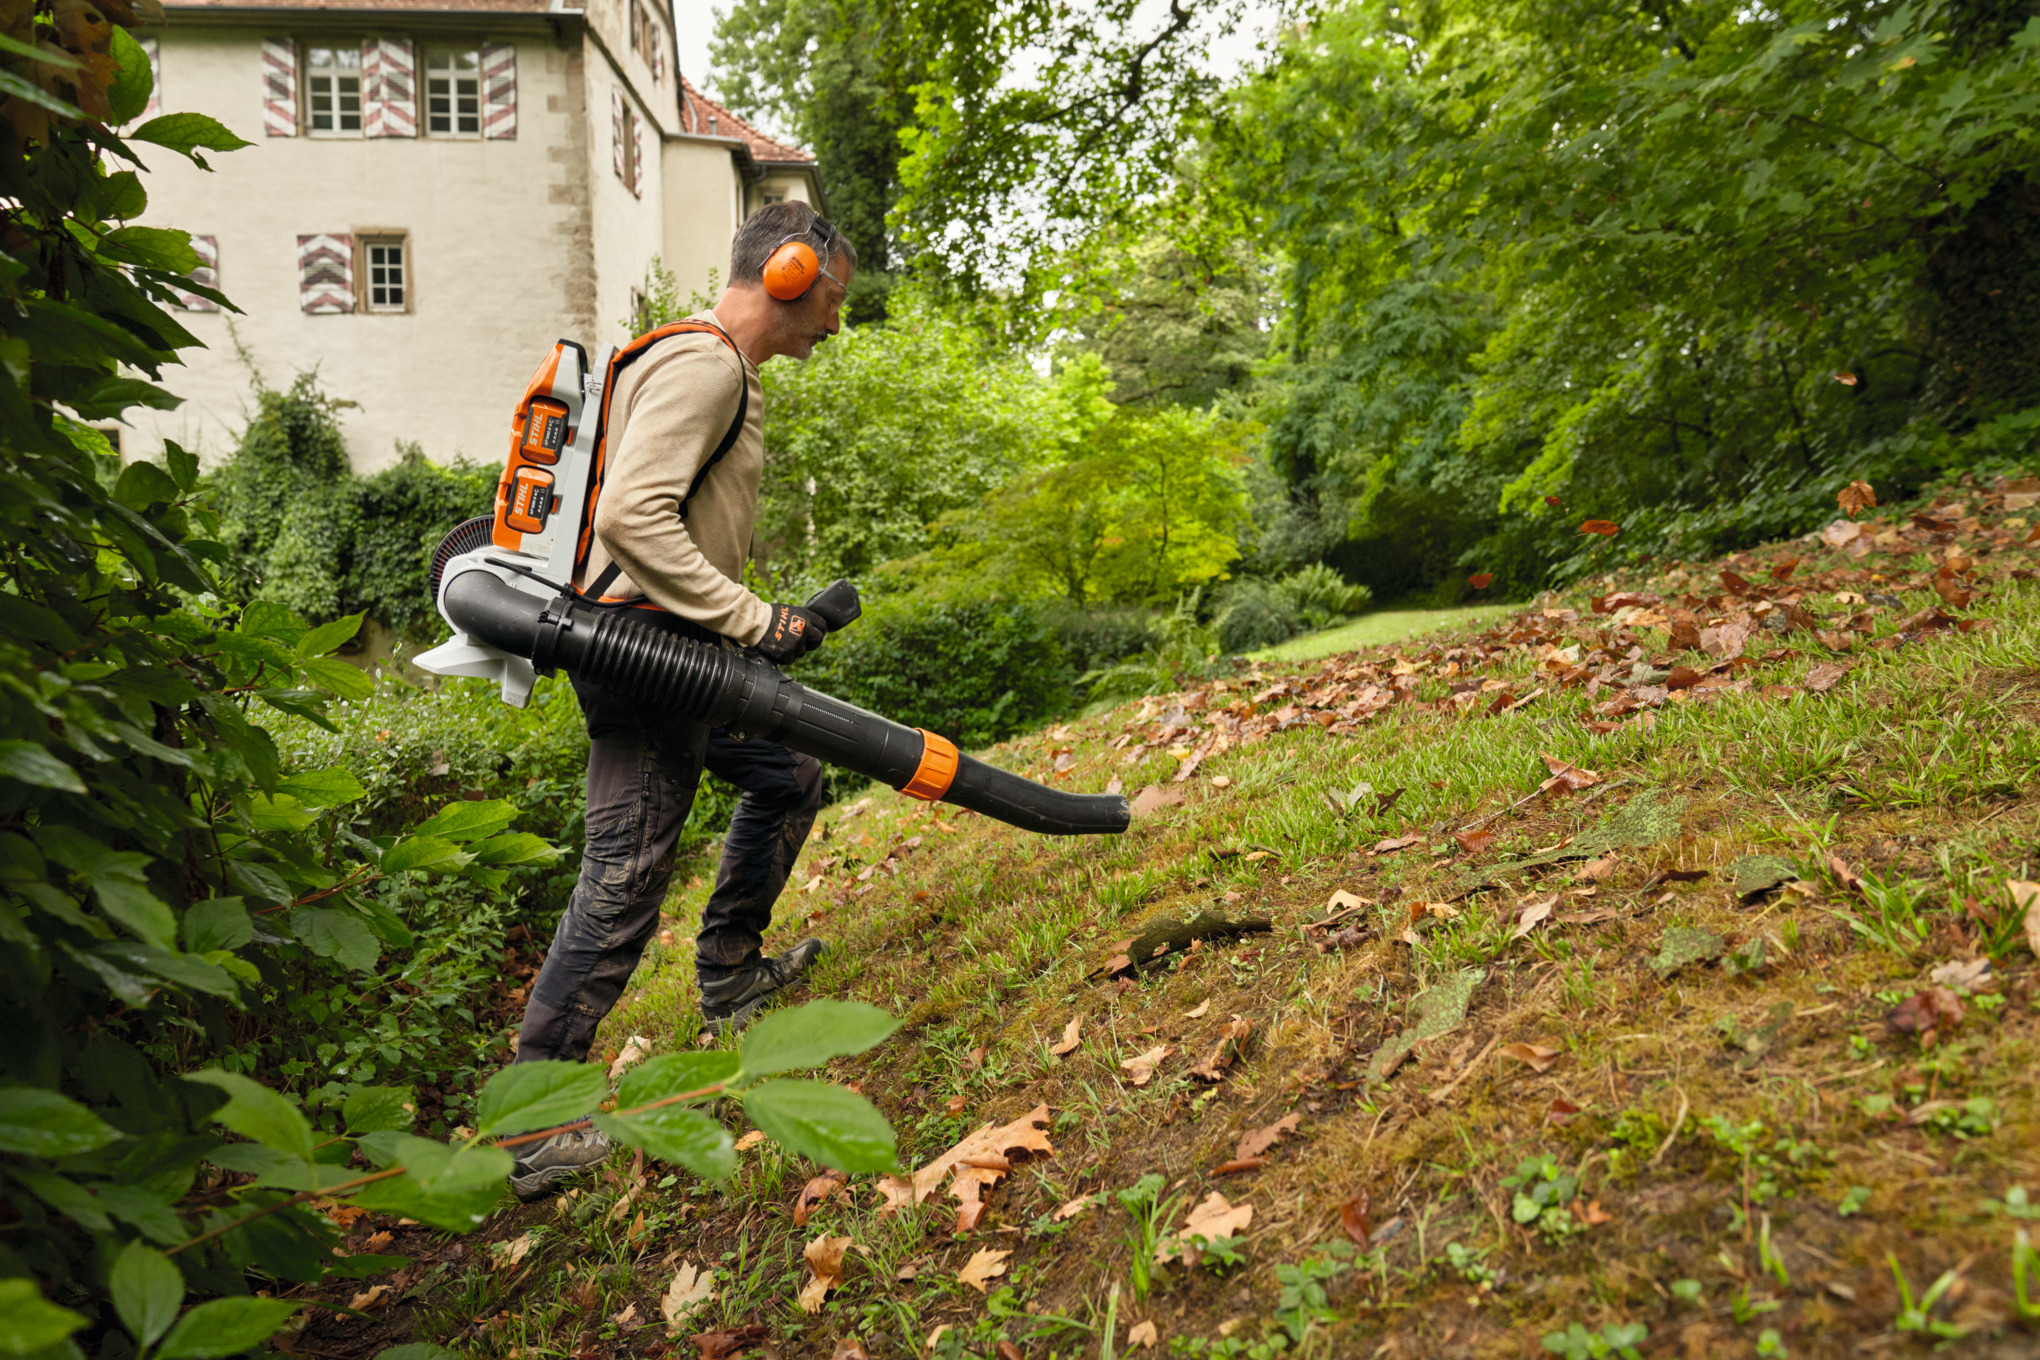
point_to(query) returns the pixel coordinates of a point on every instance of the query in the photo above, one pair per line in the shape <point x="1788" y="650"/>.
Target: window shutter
<point x="390" y="89"/>
<point x="618" y="129"/>
<point x="499" y="91"/>
<point x="152" y="48"/>
<point x="326" y="272"/>
<point x="637" y="154"/>
<point x="206" y="275"/>
<point x="658" y="53"/>
<point x="279" y="87"/>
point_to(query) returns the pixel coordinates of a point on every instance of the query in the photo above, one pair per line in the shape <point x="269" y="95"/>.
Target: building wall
<point x="499" y="251"/>
<point x="628" y="225"/>
<point x="703" y="200"/>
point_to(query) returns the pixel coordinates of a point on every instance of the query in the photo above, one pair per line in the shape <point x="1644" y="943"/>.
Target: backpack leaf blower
<point x="500" y="582"/>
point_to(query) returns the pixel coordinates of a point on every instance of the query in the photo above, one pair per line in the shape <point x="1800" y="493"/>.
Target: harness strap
<point x="608" y="575"/>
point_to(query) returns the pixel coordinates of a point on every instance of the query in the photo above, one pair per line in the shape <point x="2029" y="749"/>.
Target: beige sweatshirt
<point x="670" y="408"/>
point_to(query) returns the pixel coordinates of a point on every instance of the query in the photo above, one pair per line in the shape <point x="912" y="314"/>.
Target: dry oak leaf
<point x="967" y="1157"/>
<point x="1473" y="842"/>
<point x="1597" y="871"/>
<point x="1821" y="678"/>
<point x="967" y="1215"/>
<point x="1076" y="1206"/>
<point x="750" y="1140"/>
<point x="1143" y="1334"/>
<point x="1604" y="527"/>
<point x="691" y="1288"/>
<point x="1153" y="798"/>
<point x="2027" y="894"/>
<point x="1395" y="843"/>
<point x="1071" y="1037"/>
<point x="850" y="1348"/>
<point x="371" y="1297"/>
<point x="1537" y="1056"/>
<point x="1214" y="1218"/>
<point x="1230" y="1040"/>
<point x="824" y="1258"/>
<point x="815" y="1192"/>
<point x="1841" y="533"/>
<point x="1140" y="1068"/>
<point x="1199" y="1011"/>
<point x="515" y="1252"/>
<point x="982" y="1267"/>
<point x="1255" y="1142"/>
<point x="721" y="1345"/>
<point x="1566" y="777"/>
<point x="1531" y="914"/>
<point x="1856" y="497"/>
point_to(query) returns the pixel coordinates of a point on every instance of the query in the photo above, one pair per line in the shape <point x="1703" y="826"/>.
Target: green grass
<point x="1382" y="629"/>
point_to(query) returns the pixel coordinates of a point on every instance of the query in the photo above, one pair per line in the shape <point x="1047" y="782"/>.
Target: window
<point x="386" y="273"/>
<point x="646" y="38"/>
<point x="333" y="90"/>
<point x="453" y="93"/>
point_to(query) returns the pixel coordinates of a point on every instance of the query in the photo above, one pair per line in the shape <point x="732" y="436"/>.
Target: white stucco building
<point x="437" y="190"/>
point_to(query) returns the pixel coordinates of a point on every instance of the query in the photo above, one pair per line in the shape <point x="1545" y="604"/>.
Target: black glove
<point x="792" y="634"/>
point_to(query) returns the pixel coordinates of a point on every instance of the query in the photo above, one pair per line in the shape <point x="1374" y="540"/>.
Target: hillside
<point x="1649" y="973"/>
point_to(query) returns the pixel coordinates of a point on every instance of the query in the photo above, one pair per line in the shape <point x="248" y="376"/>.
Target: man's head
<point x="795" y="325"/>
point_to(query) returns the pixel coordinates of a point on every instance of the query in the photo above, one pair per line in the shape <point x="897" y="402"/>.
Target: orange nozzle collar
<point x="937" y="768"/>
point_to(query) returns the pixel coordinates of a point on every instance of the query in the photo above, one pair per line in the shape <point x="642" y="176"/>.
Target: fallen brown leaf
<point x="818" y="1190"/>
<point x="1213" y="1218"/>
<point x="1255" y="1142"/>
<point x="1198" y="1011"/>
<point x="1598" y="870"/>
<point x="1473" y="842"/>
<point x="850" y="1348"/>
<point x="1075" y="1207"/>
<point x="2027" y="895"/>
<point x="1926" y="1013"/>
<point x="1481" y="580"/>
<point x="1395" y="843"/>
<point x="1856" y="497"/>
<point x="1238" y="1165"/>
<point x="692" y="1287"/>
<point x="1531" y="913"/>
<point x="955" y="1104"/>
<point x="1604" y="527"/>
<point x="1353" y="1219"/>
<point x="1071" y="1036"/>
<point x="1536" y="1056"/>
<point x="1820" y="679"/>
<point x="966" y="1161"/>
<point x="982" y="1267"/>
<point x="1153" y="798"/>
<point x="1143" y="1335"/>
<point x="722" y="1345"/>
<point x="967" y="1215"/>
<point x="824" y="1258"/>
<point x="1566" y="777"/>
<point x="1230" y="1040"/>
<point x="1140" y="1069"/>
<point x="750" y="1140"/>
<point x="1595" y="1215"/>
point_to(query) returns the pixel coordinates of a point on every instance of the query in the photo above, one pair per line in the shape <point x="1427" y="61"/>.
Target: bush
<point x="974" y="671"/>
<point x="308" y="534"/>
<point x="1096" y="638"/>
<point x="1255" y="614"/>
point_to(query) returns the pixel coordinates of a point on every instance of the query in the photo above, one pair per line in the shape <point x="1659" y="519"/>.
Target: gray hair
<point x="764" y="230"/>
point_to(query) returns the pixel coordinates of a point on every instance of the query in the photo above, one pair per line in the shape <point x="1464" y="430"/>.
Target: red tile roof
<point x="359" y="6"/>
<point x="703" y="117"/>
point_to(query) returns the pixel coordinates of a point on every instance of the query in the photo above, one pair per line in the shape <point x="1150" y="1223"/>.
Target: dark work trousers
<point x="644" y="766"/>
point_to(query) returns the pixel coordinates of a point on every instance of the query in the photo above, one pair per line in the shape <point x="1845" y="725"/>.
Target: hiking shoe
<point x="542" y="1168"/>
<point x="728" y="1003"/>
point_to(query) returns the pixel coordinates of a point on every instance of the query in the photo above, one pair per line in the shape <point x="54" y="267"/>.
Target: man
<point x="672" y="530"/>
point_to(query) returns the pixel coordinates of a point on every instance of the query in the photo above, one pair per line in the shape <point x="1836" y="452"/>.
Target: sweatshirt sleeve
<point x="682" y="405"/>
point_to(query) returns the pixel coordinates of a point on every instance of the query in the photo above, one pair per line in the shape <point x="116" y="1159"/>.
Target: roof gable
<point x="701" y="116"/>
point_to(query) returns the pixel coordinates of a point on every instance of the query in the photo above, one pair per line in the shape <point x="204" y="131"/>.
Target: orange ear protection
<point x="794" y="265"/>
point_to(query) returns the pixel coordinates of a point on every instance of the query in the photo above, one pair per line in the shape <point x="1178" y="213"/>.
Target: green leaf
<point x="327" y="636"/>
<point x="183" y="465"/>
<point x="254" y="1111"/>
<point x="338" y="935"/>
<point x="374" y="1109"/>
<point x="416" y="1350"/>
<point x="142" y="485"/>
<point x="28" y="90"/>
<point x="217" y="923"/>
<point x="536" y="1095"/>
<point x="325" y="788"/>
<point x="348" y="682"/>
<point x="39" y="1123"/>
<point x="129" y="91"/>
<point x="186" y="132"/>
<point x="116" y="880"/>
<point x="468" y="821"/>
<point x="29" y="1322"/>
<point x="166" y="248"/>
<point x="281" y="813"/>
<point x="427" y="853"/>
<point x="810" y="1035"/>
<point x="678" y="1134"/>
<point x="823" y="1123"/>
<point x="446" y="1188"/>
<point x="31" y="763"/>
<point x="268" y="619"/>
<point x="225" y="1326"/>
<point x="147" y="1291"/>
<point x="66" y="1196"/>
<point x="515" y="847"/>
<point x="670" y="1074"/>
<point x="363" y="1264"/>
<point x="308" y="704"/>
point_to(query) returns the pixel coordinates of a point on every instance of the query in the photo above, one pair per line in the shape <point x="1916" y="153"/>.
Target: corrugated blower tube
<point x="727" y="688"/>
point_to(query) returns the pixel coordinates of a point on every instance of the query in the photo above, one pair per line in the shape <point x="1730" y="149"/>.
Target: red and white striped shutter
<point x="499" y="91"/>
<point x="152" y="48"/>
<point x="207" y="274"/>
<point x="326" y="272"/>
<point x="618" y="128"/>
<point x="637" y="157"/>
<point x="658" y="46"/>
<point x="390" y="81"/>
<point x="279" y="87"/>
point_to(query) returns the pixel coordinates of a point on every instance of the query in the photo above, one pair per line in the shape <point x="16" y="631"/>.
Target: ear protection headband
<point x="794" y="266"/>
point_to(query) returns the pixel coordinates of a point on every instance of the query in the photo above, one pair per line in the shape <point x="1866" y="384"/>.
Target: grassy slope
<point x="1380" y="629"/>
<point x="1706" y="1150"/>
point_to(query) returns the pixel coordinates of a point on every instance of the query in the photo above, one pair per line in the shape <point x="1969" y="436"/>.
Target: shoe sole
<point x="533" y="1186"/>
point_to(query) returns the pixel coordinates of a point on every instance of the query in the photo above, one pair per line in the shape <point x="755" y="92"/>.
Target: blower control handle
<point x="838" y="605"/>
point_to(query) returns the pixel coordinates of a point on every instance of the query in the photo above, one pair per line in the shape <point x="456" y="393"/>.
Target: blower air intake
<point x="511" y="634"/>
